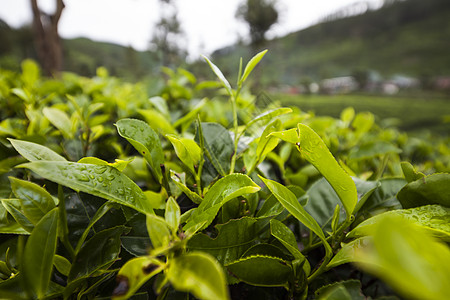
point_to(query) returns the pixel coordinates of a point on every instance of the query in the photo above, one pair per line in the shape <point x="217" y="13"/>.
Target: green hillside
<point x="84" y="56"/>
<point x="410" y="37"/>
<point x="406" y="37"/>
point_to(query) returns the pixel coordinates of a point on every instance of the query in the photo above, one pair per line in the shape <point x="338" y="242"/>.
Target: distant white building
<point x="337" y="85"/>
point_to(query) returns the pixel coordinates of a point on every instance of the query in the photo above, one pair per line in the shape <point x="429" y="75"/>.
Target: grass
<point x="413" y="114"/>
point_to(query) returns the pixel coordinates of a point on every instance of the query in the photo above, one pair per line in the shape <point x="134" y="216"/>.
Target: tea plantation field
<point x="412" y="114"/>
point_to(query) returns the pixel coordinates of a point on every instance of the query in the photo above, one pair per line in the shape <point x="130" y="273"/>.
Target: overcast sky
<point x="208" y="24"/>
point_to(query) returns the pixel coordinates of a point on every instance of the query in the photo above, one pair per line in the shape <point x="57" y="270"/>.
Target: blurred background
<point x="390" y="57"/>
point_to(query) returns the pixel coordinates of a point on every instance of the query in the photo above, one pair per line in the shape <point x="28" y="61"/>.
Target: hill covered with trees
<point x="409" y="37"/>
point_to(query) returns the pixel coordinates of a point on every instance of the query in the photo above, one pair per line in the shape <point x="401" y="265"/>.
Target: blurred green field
<point x="412" y="114"/>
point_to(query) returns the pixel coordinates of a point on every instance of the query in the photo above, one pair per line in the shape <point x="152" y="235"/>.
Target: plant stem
<point x="165" y="180"/>
<point x="236" y="129"/>
<point x="198" y="178"/>
<point x="64" y="229"/>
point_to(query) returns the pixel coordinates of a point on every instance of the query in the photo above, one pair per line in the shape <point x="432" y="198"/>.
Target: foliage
<point x="183" y="196"/>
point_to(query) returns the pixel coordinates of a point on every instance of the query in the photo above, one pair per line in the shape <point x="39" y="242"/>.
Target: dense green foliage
<point x="108" y="193"/>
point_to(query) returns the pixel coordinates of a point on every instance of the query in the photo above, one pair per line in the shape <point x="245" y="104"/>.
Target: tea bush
<point x="206" y="191"/>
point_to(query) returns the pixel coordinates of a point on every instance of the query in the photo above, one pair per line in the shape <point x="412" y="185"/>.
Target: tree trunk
<point x="48" y="43"/>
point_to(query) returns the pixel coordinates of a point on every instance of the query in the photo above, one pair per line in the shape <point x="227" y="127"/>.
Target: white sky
<point x="208" y="24"/>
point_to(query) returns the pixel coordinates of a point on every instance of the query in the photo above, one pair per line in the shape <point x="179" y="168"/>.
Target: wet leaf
<point x="262" y="271"/>
<point x="97" y="253"/>
<point x="316" y="152"/>
<point x="35" y="201"/>
<point x="434" y="218"/>
<point x="102" y="181"/>
<point x="224" y="190"/>
<point x="35" y="152"/>
<point x="233" y="239"/>
<point x="220" y="147"/>
<point x="145" y="140"/>
<point x="59" y="119"/>
<point x="39" y="254"/>
<point x="406" y="257"/>
<point x="431" y="189"/>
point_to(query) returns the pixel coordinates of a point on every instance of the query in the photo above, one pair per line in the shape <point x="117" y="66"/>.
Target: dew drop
<point x="120" y="191"/>
<point x="100" y="169"/>
<point x="100" y="178"/>
<point x="81" y="177"/>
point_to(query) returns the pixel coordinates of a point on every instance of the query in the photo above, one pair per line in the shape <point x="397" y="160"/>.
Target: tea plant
<point x="255" y="205"/>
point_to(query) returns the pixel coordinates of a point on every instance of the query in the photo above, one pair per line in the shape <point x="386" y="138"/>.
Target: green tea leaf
<point x="136" y="245"/>
<point x="252" y="64"/>
<point x="384" y="196"/>
<point x="102" y="181"/>
<point x="190" y="194"/>
<point x="199" y="274"/>
<point x="403" y="255"/>
<point x="220" y="147"/>
<point x="187" y="151"/>
<point x="362" y="123"/>
<point x="262" y="271"/>
<point x="286" y="237"/>
<point x="35" y="201"/>
<point x="157" y="121"/>
<point x="98" y="214"/>
<point x="269" y="115"/>
<point x="145" y="140"/>
<point x="347" y="115"/>
<point x="264" y="249"/>
<point x="12" y="228"/>
<point x="38" y="256"/>
<point x="283" y="234"/>
<point x="62" y="264"/>
<point x="172" y="214"/>
<point x="290" y="135"/>
<point x="434" y="218"/>
<point x="323" y="201"/>
<point x="347" y="253"/>
<point x="220" y="75"/>
<point x="59" y="119"/>
<point x="335" y="219"/>
<point x="35" y="152"/>
<point x="432" y="189"/>
<point x="13" y="207"/>
<point x="233" y="239"/>
<point x="133" y="274"/>
<point x="266" y="142"/>
<point x="99" y="252"/>
<point x="316" y="152"/>
<point x="410" y="173"/>
<point x="342" y="290"/>
<point x="337" y="293"/>
<point x="158" y="231"/>
<point x="290" y="202"/>
<point x="118" y="164"/>
<point x="224" y="190"/>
